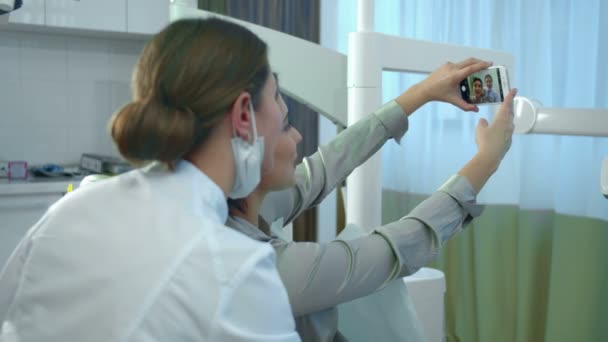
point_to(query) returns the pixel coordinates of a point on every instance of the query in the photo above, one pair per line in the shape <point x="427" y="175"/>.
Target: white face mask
<point x="248" y="160"/>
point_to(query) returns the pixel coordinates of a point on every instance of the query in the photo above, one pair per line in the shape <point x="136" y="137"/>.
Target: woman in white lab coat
<point x="145" y="256"/>
<point x="319" y="276"/>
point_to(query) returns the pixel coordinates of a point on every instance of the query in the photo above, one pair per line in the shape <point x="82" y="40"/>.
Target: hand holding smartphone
<point x="488" y="86"/>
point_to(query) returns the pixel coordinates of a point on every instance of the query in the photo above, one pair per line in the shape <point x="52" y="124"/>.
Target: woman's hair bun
<point x="151" y="130"/>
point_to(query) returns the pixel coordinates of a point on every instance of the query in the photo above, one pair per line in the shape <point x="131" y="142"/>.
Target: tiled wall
<point x="57" y="93"/>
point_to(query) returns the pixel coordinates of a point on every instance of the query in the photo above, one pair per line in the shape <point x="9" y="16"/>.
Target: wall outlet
<point x="3" y="169"/>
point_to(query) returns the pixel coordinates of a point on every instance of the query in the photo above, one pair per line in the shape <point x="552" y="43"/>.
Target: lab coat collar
<point x="204" y="188"/>
<point x="251" y="230"/>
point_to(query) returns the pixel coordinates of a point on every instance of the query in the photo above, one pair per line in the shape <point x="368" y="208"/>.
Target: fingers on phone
<point x="468" y="107"/>
<point x="470" y="61"/>
<point x="471" y="69"/>
<point x="467" y="62"/>
<point x="511" y="95"/>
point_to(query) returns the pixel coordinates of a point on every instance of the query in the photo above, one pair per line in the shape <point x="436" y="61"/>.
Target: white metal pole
<point x="532" y="117"/>
<point x="185" y="3"/>
<point x="365" y="16"/>
<point x="572" y="121"/>
<point x="364" y="80"/>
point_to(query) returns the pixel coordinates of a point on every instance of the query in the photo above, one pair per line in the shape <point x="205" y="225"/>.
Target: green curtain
<point x="521" y="275"/>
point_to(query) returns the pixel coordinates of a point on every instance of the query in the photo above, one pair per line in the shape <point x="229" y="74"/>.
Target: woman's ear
<point x="240" y="116"/>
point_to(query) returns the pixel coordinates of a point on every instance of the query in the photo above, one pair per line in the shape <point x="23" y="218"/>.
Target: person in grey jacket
<point x="319" y="276"/>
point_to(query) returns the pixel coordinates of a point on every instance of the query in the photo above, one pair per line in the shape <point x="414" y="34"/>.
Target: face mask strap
<point x="255" y="130"/>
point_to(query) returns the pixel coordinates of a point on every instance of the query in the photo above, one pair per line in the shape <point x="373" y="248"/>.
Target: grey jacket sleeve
<point x="319" y="174"/>
<point x="417" y="238"/>
<point x="319" y="276"/>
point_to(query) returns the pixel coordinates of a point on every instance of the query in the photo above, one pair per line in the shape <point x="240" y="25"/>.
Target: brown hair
<point x="185" y="81"/>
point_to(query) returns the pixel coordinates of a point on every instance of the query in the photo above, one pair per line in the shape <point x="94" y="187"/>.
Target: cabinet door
<point x="32" y="12"/>
<point x="147" y="16"/>
<point x="18" y="213"/>
<point x="106" y="15"/>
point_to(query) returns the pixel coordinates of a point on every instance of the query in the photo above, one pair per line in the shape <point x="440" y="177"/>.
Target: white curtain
<point x="561" y="56"/>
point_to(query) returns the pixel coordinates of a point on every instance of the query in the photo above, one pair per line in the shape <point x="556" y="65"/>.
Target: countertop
<point x="38" y="185"/>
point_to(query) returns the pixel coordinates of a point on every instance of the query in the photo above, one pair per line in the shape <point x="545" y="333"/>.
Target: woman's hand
<point x="494" y="140"/>
<point x="442" y="85"/>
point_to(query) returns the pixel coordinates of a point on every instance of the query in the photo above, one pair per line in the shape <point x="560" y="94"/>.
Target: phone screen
<point x="485" y="87"/>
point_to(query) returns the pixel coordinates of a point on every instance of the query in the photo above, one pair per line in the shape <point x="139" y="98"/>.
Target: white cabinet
<point x="32" y="12"/>
<point x="147" y="16"/>
<point x="18" y="213"/>
<point x="106" y="15"/>
<point x="123" y="16"/>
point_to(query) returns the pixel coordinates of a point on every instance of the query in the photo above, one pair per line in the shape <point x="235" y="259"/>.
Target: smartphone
<point x="488" y="86"/>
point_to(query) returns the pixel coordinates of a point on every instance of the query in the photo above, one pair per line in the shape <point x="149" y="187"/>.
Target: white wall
<point x="57" y="93"/>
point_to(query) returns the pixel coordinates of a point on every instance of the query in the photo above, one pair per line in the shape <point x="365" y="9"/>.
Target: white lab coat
<point x="142" y="257"/>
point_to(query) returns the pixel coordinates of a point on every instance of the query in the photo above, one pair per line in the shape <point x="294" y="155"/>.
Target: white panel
<point x="45" y="145"/>
<point x="48" y="118"/>
<point x="123" y="57"/>
<point x="11" y="109"/>
<point x="89" y="108"/>
<point x="11" y="59"/>
<point x="106" y="15"/>
<point x="147" y="16"/>
<point x="309" y="73"/>
<point x="88" y="59"/>
<point x="48" y="103"/>
<point x="120" y="95"/>
<point x="87" y="104"/>
<point x="43" y="57"/>
<point x="32" y="12"/>
<point x="12" y="142"/>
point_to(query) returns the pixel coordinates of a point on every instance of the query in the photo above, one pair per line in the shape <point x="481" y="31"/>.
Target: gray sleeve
<point x="319" y="174"/>
<point x="318" y="276"/>
<point x="417" y="238"/>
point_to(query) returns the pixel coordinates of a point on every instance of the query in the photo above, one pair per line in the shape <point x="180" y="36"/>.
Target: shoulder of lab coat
<point x="100" y="268"/>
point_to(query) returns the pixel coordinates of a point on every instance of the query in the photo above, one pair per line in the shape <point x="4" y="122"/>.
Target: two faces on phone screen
<point x="488" y="86"/>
